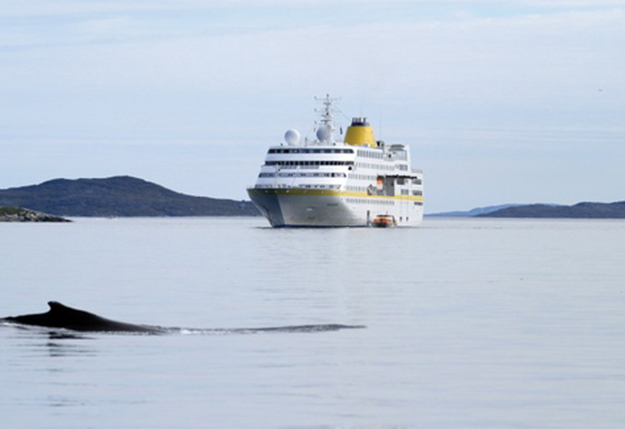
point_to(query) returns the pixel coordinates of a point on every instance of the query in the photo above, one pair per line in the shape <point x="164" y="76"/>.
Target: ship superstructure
<point x="327" y="182"/>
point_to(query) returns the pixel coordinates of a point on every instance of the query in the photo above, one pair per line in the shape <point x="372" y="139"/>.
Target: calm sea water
<point x="469" y="323"/>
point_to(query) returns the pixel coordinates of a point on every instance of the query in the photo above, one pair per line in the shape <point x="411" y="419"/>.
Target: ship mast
<point x="326" y="128"/>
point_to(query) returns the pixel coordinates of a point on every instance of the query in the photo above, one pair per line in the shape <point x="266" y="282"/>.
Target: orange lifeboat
<point x="384" y="221"/>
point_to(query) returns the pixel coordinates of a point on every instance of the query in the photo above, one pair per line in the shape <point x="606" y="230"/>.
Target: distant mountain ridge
<point x="584" y="210"/>
<point x="473" y="212"/>
<point x="118" y="196"/>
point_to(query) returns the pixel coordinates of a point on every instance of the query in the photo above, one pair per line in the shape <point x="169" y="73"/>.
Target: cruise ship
<point x="338" y="182"/>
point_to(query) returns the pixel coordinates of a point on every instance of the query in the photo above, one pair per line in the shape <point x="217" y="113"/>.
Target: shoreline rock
<point x="19" y="214"/>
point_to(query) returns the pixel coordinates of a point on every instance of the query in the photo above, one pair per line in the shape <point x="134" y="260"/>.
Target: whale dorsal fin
<point x="58" y="308"/>
<point x="55" y="305"/>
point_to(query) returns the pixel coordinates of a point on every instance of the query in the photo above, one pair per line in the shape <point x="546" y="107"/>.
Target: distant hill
<point x="473" y="212"/>
<point x="118" y="196"/>
<point x="578" y="211"/>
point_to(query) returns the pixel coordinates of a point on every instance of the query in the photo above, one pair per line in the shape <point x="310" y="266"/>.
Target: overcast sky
<point x="501" y="101"/>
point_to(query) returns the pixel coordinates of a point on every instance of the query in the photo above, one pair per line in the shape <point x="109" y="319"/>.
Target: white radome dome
<point x="292" y="137"/>
<point x="324" y="133"/>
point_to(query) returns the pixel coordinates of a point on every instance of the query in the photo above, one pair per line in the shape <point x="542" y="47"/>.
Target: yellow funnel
<point x="360" y="133"/>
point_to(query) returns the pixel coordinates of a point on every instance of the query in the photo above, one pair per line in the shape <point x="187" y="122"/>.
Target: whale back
<point x="62" y="316"/>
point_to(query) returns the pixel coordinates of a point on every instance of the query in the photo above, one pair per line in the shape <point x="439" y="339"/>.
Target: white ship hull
<point x="292" y="207"/>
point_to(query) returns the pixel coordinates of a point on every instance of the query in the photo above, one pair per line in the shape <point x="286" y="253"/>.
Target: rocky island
<point x="18" y="214"/>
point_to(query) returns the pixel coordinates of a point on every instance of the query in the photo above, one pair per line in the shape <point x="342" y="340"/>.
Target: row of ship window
<point x="391" y="167"/>
<point x="311" y="150"/>
<point x="397" y="154"/>
<point x="376" y="166"/>
<point x="320" y="186"/>
<point x="360" y="152"/>
<point x="370" y="154"/>
<point x="406" y="181"/>
<point x="370" y="201"/>
<point x="403" y="191"/>
<point x="302" y="175"/>
<point x="283" y="186"/>
<point x="407" y="192"/>
<point x="400" y="180"/>
<point x="375" y="201"/>
<point x="354" y="176"/>
<point x="308" y="163"/>
<point x="402" y="167"/>
<point x="357" y="188"/>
